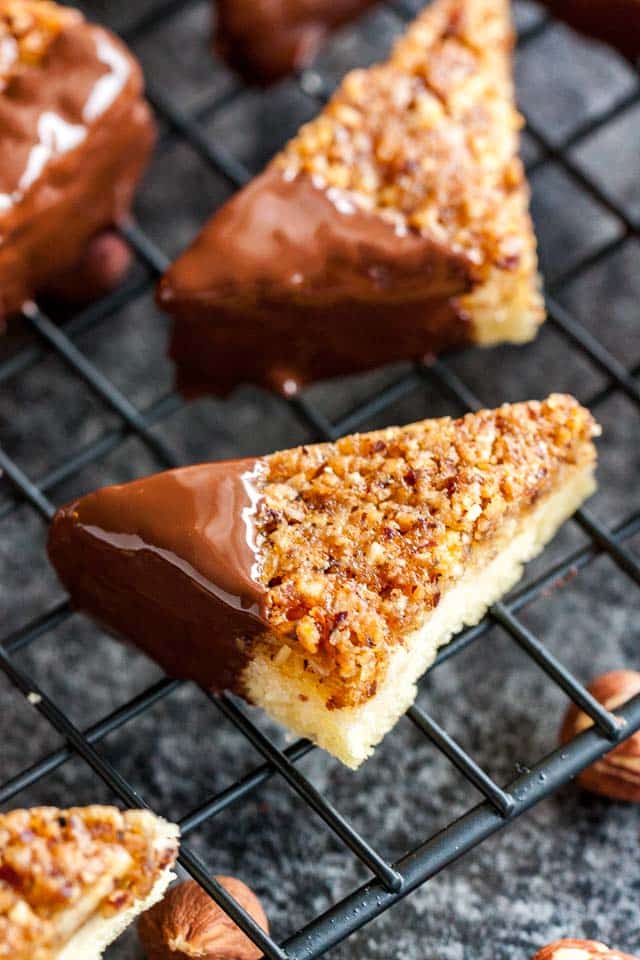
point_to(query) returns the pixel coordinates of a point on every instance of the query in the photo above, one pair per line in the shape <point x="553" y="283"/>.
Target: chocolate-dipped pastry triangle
<point x="296" y="29"/>
<point x="72" y="880"/>
<point x="75" y="137"/>
<point x="319" y="582"/>
<point x="394" y="224"/>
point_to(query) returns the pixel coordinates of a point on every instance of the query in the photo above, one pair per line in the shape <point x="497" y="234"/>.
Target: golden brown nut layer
<point x="429" y="138"/>
<point x="361" y="537"/>
<point x="27" y="27"/>
<point x="52" y="861"/>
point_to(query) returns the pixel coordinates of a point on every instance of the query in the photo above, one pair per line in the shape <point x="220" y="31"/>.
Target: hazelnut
<point x="188" y="923"/>
<point x="105" y="262"/>
<point x="580" y="950"/>
<point x="617" y="774"/>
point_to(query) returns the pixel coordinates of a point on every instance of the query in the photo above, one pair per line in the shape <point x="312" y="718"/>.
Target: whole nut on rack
<point x="580" y="950"/>
<point x="617" y="774"/>
<point x="188" y="923"/>
<point x="104" y="264"/>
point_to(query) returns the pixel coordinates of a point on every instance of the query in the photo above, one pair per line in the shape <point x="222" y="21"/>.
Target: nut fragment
<point x="617" y="774"/>
<point x="188" y="923"/>
<point x="580" y="950"/>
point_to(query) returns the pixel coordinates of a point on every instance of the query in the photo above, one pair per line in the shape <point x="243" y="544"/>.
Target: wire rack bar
<point x="580" y="177"/>
<point x="93" y="451"/>
<point x="603" y="719"/>
<point x="391" y="881"/>
<point x="418" y="866"/>
<point x="585" y="130"/>
<point x="27" y="489"/>
<point x="90" y="317"/>
<point x="502" y="801"/>
<point x="598" y="354"/>
<point x="100" y="385"/>
<point x="585" y="263"/>
<point x="241" y="788"/>
<point x="129" y="711"/>
<point x="37" y="628"/>
<point x="150" y="20"/>
<point x="129" y="795"/>
<point x="388" y="877"/>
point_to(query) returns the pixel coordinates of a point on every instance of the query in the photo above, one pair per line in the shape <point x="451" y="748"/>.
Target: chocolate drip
<point x="290" y="283"/>
<point x="76" y="136"/>
<point x="171" y="563"/>
<point x="295" y="29"/>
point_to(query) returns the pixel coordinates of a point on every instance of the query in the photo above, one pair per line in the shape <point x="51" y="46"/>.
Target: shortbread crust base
<point x="352" y="733"/>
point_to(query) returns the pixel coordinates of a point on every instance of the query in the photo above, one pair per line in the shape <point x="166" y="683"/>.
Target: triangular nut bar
<point x="394" y="224"/>
<point x="75" y="138"/>
<point x="319" y="582"/>
<point x="72" y="880"/>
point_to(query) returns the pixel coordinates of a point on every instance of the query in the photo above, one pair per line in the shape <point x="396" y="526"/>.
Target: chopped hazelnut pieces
<point x="59" y="867"/>
<point x="27" y="27"/>
<point x="360" y="538"/>
<point x="429" y="138"/>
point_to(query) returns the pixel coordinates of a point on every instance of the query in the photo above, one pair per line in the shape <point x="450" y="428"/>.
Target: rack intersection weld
<point x="500" y="804"/>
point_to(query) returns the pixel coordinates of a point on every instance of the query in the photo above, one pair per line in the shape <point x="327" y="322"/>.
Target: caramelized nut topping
<point x="361" y="537"/>
<point x="429" y="139"/>
<point x="59" y="867"/>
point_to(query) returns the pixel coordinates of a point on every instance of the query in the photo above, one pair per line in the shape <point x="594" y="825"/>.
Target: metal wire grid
<point x="389" y="881"/>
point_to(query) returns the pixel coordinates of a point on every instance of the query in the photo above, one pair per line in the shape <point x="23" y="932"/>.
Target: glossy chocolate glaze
<point x="614" y="21"/>
<point x="290" y="283"/>
<point x="170" y="562"/>
<point x="266" y="39"/>
<point x="75" y="138"/>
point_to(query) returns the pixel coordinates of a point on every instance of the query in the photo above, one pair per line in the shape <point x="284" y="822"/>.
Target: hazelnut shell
<point x="188" y="923"/>
<point x="580" y="950"/>
<point x="617" y="774"/>
<point x="102" y="267"/>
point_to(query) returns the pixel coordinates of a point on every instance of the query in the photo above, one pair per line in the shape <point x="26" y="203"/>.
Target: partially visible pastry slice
<point x="72" y="880"/>
<point x="75" y="138"/>
<point x="394" y="224"/>
<point x="295" y="30"/>
<point x="319" y="582"/>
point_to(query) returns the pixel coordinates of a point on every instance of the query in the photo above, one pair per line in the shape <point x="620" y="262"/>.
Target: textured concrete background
<point x="570" y="866"/>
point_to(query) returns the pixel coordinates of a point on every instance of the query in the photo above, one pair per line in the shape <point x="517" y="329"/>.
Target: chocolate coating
<point x="615" y="21"/>
<point x="170" y="563"/>
<point x="266" y="39"/>
<point x="285" y="286"/>
<point x="76" y="137"/>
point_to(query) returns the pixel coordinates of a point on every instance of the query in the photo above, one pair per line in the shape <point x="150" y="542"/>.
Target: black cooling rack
<point x="388" y="881"/>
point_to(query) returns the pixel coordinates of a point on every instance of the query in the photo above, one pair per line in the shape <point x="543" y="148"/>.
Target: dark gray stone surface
<point x="570" y="866"/>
